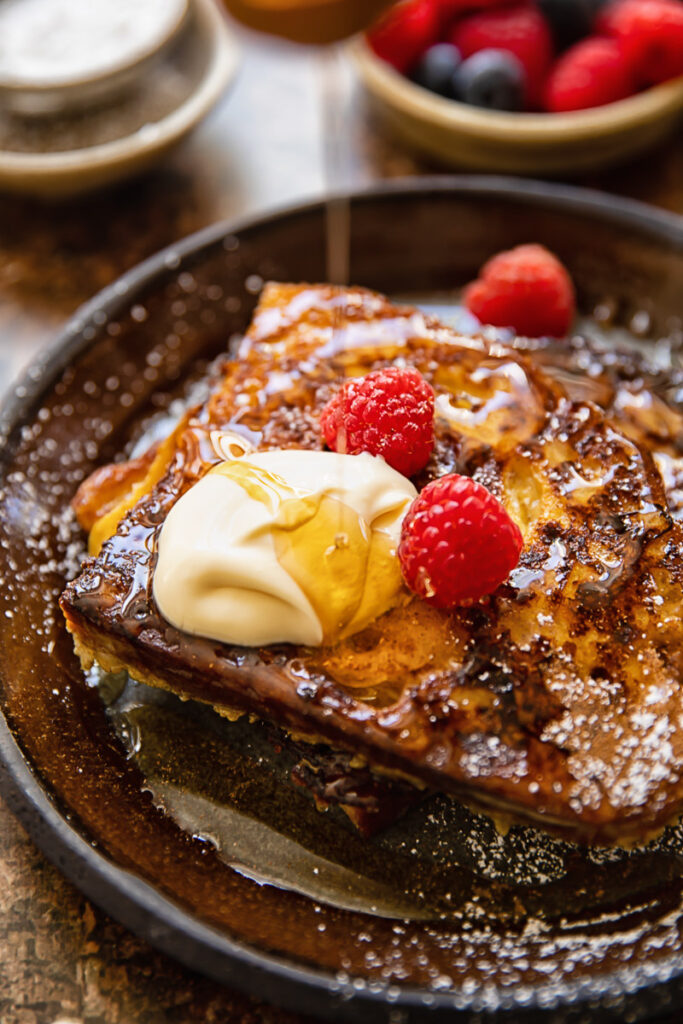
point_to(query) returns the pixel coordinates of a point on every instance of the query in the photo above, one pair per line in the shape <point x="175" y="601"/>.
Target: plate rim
<point x="134" y="902"/>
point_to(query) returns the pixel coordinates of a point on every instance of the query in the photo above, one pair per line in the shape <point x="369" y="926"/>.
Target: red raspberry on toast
<point x="389" y="412"/>
<point x="457" y="542"/>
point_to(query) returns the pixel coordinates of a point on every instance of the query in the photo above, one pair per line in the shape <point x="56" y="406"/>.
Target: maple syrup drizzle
<point x="336" y="124"/>
<point x="335" y="135"/>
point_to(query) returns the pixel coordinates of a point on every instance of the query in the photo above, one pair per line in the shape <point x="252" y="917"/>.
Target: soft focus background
<point x="62" y="961"/>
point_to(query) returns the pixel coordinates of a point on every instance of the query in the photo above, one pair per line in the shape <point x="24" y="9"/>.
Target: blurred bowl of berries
<point x="527" y="86"/>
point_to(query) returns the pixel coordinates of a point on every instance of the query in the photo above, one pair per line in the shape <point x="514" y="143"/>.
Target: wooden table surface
<point x="62" y="960"/>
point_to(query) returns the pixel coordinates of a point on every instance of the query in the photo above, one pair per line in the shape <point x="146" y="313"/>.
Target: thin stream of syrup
<point x="335" y="113"/>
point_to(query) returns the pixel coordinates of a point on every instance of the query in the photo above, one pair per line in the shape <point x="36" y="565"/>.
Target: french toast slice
<point x="557" y="700"/>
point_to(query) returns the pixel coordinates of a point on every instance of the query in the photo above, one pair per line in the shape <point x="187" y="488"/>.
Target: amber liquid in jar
<point x="307" y="21"/>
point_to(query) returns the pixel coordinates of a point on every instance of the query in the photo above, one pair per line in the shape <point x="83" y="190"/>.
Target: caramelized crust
<point x="107" y="487"/>
<point x="558" y="699"/>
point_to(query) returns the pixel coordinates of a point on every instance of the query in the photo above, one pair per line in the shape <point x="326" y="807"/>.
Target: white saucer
<point x="65" y="155"/>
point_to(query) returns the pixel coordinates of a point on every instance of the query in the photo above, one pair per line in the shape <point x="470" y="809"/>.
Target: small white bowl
<point x="79" y="168"/>
<point x="483" y="140"/>
<point x="60" y="57"/>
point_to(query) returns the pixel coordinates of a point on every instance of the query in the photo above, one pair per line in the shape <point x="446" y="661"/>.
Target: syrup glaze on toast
<point x="559" y="698"/>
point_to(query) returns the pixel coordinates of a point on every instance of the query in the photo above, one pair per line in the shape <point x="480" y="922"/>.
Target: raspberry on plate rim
<point x="526" y="288"/>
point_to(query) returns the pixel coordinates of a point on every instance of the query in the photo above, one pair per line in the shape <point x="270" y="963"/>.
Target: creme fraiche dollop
<point x="283" y="547"/>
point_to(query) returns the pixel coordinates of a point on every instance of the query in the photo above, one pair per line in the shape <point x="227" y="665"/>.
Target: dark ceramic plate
<point x="256" y="888"/>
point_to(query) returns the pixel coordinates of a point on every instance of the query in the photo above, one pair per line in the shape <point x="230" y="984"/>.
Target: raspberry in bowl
<point x="537" y="87"/>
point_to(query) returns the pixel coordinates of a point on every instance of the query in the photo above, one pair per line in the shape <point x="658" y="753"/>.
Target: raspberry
<point x="526" y="288"/>
<point x="451" y="9"/>
<point x="591" y="73"/>
<point x="389" y="413"/>
<point x="457" y="542"/>
<point x="405" y="31"/>
<point x="651" y="35"/>
<point x="521" y="30"/>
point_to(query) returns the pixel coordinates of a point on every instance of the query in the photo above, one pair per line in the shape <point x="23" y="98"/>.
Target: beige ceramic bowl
<point x="464" y="136"/>
<point x="209" y="61"/>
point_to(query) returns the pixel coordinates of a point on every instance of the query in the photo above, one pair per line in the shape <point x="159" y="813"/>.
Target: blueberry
<point x="570" y="20"/>
<point x="436" y="67"/>
<point x="491" y="78"/>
